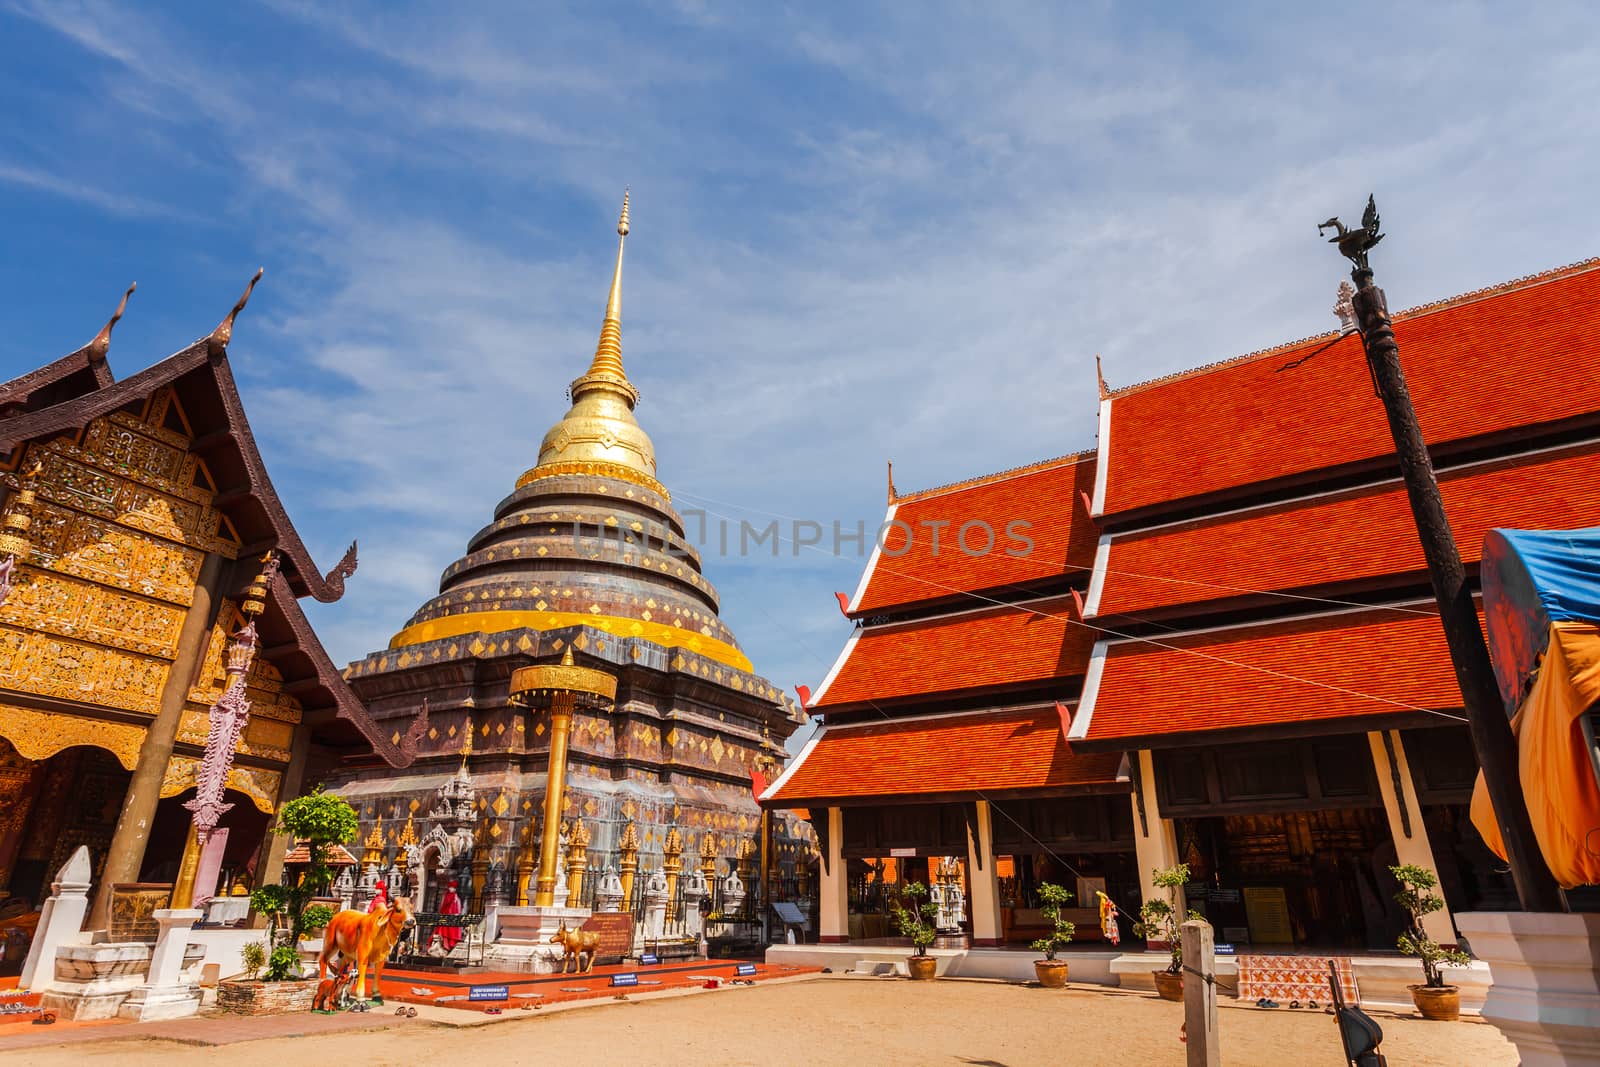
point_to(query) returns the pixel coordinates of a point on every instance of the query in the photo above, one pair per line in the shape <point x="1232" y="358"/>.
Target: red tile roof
<point x="337" y="856"/>
<point x="927" y="562"/>
<point x="1397" y="661"/>
<point x="1035" y="642"/>
<point x="1362" y="534"/>
<point x="985" y="751"/>
<point x="1515" y="356"/>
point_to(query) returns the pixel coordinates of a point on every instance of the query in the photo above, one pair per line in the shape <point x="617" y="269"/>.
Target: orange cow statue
<point x="364" y="939"/>
<point x="576" y="944"/>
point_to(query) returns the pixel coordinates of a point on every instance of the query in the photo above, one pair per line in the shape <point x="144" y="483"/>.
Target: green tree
<point x="1160" y="920"/>
<point x="1052" y="898"/>
<point x="319" y="820"/>
<point x="1417" y="897"/>
<point x="917" y="921"/>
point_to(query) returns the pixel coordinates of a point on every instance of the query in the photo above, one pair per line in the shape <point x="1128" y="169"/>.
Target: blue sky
<point x="859" y="232"/>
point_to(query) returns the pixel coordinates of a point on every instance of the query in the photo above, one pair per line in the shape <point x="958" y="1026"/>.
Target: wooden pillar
<point x="1200" y="995"/>
<point x="1410" y="835"/>
<point x="1155" y="840"/>
<point x="834" y="922"/>
<point x="276" y="846"/>
<point x="984" y="895"/>
<point x="126" y="854"/>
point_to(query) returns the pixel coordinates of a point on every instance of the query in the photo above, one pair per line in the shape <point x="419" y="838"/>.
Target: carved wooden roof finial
<point x="102" y="340"/>
<point x="218" y="341"/>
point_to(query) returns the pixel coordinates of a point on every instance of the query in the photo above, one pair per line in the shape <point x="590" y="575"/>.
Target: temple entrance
<point x="1082" y="844"/>
<point x="47" y="809"/>
<point x="50" y="807"/>
<point x="1287" y="842"/>
<point x="1311" y="878"/>
<point x="247" y="827"/>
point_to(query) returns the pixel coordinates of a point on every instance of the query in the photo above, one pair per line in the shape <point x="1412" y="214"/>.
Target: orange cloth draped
<point x="1558" y="775"/>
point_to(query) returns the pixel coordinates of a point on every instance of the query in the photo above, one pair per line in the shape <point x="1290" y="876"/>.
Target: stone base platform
<point x="888" y="955"/>
<point x="524" y="945"/>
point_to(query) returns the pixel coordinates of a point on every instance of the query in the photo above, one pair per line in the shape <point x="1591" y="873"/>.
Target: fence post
<point x="1200" y="994"/>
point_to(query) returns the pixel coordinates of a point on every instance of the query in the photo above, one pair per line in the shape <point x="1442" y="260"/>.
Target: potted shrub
<point x="1160" y="920"/>
<point x="1052" y="973"/>
<point x="917" y="923"/>
<point x="1433" y="998"/>
<point x="320" y="820"/>
<point x="314" y="919"/>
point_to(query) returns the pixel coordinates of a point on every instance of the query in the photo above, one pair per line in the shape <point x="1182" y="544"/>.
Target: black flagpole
<point x="1486" y="716"/>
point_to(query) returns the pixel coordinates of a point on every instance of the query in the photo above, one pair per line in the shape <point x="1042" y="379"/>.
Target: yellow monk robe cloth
<point x="1555" y="767"/>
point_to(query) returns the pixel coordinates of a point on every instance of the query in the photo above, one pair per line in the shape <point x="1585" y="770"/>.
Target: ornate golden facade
<point x="113" y="633"/>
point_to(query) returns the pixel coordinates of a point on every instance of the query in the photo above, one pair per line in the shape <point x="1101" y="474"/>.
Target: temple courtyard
<point x="825" y="1020"/>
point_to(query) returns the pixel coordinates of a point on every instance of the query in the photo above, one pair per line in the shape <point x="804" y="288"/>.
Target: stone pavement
<point x="200" y="1030"/>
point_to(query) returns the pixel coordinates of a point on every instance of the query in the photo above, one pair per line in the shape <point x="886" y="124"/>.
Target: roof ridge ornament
<point x="892" y="493"/>
<point x="1100" y="377"/>
<point x="102" y="340"/>
<point x="218" y="340"/>
<point x="1344" y="306"/>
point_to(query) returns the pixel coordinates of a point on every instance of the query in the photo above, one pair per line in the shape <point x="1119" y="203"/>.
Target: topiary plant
<point x="284" y="964"/>
<point x="254" y="957"/>
<point x="1159" y="920"/>
<point x="1051" y="900"/>
<point x="917" y="921"/>
<point x="1418" y="898"/>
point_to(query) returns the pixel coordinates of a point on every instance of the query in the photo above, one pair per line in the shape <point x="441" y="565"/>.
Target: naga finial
<point x="102" y="340"/>
<point x="218" y="341"/>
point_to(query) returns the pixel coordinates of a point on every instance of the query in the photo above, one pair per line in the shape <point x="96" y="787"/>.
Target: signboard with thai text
<point x="616" y="935"/>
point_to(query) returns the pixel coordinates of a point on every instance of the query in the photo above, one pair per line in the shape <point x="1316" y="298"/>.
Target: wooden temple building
<point x="1228" y="602"/>
<point x="586" y="556"/>
<point x="136" y="515"/>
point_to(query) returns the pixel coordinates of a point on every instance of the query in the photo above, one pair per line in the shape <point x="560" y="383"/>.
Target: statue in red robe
<point x="450" y="936"/>
<point x="380" y="898"/>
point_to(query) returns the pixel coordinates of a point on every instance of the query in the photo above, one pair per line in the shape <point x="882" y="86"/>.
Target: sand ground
<point x="848" y="1022"/>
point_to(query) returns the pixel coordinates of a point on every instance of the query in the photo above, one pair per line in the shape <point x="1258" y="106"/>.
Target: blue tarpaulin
<point x="1541" y="599"/>
<point x="1532" y="578"/>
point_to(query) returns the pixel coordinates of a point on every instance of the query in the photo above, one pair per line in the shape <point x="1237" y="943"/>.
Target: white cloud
<point x="887" y="232"/>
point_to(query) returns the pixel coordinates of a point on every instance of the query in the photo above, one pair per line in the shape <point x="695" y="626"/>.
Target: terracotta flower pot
<point x="1169" y="985"/>
<point x="1052" y="974"/>
<point x="1442" y="1004"/>
<point x="923" y="967"/>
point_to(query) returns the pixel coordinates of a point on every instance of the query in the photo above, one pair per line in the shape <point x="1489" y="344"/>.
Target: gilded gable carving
<point x="71" y="542"/>
<point x="68" y="607"/>
<point x="257" y="783"/>
<point x="32" y="661"/>
<point x="39" y="735"/>
<point x="122" y="444"/>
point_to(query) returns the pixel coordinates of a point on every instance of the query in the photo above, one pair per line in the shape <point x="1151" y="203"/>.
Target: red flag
<point x="758" y="784"/>
<point x="1066" y="724"/>
<point x="1077" y="602"/>
<point x="804" y="692"/>
<point x="844" y="604"/>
